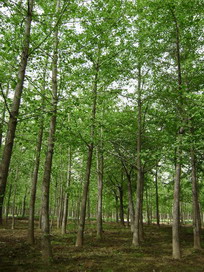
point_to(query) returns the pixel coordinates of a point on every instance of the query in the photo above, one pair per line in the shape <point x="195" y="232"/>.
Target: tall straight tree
<point x="46" y="244"/>
<point x="80" y="233"/>
<point x="176" y="206"/>
<point x="100" y="170"/>
<point x="36" y="170"/>
<point x="138" y="210"/>
<point x="13" y="118"/>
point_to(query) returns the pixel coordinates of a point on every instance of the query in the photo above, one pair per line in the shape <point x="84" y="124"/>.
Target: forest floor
<point x="113" y="253"/>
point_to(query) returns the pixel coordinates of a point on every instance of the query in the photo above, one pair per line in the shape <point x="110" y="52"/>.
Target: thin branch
<point x="5" y="101"/>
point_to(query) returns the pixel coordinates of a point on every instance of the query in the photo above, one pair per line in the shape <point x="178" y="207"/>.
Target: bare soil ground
<point x="113" y="253"/>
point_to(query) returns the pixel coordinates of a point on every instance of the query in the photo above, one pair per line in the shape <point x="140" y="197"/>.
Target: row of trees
<point x="115" y="88"/>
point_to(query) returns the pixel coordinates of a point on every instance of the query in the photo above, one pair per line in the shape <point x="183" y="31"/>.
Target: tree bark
<point x="157" y="197"/>
<point x="10" y="136"/>
<point x="176" y="208"/>
<point x="136" y="240"/>
<point x="80" y="233"/>
<point x="31" y="238"/>
<point x="100" y="190"/>
<point x="66" y="200"/>
<point x="3" y="117"/>
<point x="196" y="208"/>
<point x="46" y="245"/>
<point x="120" y="190"/>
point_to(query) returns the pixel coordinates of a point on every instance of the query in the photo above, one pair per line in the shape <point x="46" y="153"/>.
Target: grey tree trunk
<point x="120" y="190"/>
<point x="46" y="245"/>
<point x="31" y="238"/>
<point x="66" y="200"/>
<point x="196" y="208"/>
<point x="80" y="233"/>
<point x="3" y="113"/>
<point x="10" y="136"/>
<point x="100" y="191"/>
<point x="8" y="202"/>
<point x="176" y="209"/>
<point x="157" y="197"/>
<point x="136" y="231"/>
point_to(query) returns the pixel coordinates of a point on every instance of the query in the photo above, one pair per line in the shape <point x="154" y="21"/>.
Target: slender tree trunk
<point x="7" y="152"/>
<point x="34" y="180"/>
<point x="31" y="238"/>
<point x="116" y="208"/>
<point x="3" y="117"/>
<point x="24" y="204"/>
<point x="66" y="200"/>
<point x="157" y="197"/>
<point x="46" y="245"/>
<point x="8" y="202"/>
<point x="14" y="199"/>
<point x="14" y="207"/>
<point x="120" y="190"/>
<point x="148" y="211"/>
<point x="176" y="209"/>
<point x="196" y="208"/>
<point x="141" y="228"/>
<point x="80" y="233"/>
<point x="130" y="201"/>
<point x="100" y="191"/>
<point x="136" y="240"/>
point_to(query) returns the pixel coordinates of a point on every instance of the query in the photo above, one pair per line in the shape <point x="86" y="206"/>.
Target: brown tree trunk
<point x="136" y="232"/>
<point x="120" y="190"/>
<point x="3" y="117"/>
<point x="100" y="191"/>
<point x="24" y="204"/>
<point x="80" y="233"/>
<point x="46" y="245"/>
<point x="157" y="197"/>
<point x="8" y="202"/>
<point x="130" y="201"/>
<point x="196" y="208"/>
<point x="66" y="200"/>
<point x="10" y="136"/>
<point x="176" y="209"/>
<point x="34" y="185"/>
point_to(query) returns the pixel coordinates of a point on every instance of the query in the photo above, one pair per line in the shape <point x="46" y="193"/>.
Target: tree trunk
<point x="80" y="233"/>
<point x="136" y="232"/>
<point x="100" y="191"/>
<point x="31" y="218"/>
<point x="147" y="205"/>
<point x="157" y="197"/>
<point x="46" y="245"/>
<point x="130" y="201"/>
<point x="196" y="208"/>
<point x="3" y="117"/>
<point x="176" y="211"/>
<point x="66" y="200"/>
<point x="116" y="208"/>
<point x="120" y="190"/>
<point x="8" y="202"/>
<point x="7" y="152"/>
<point x="24" y="204"/>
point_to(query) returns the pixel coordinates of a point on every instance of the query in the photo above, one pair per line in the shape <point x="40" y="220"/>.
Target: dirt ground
<point x="113" y="253"/>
